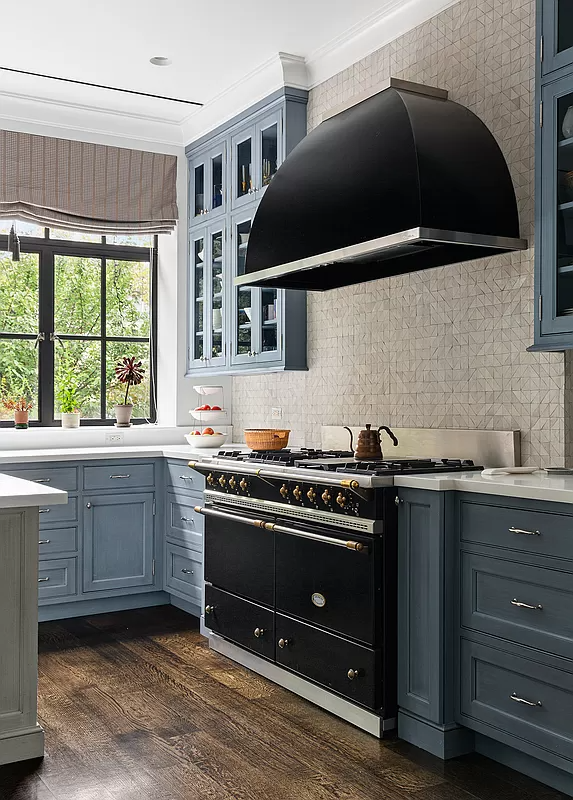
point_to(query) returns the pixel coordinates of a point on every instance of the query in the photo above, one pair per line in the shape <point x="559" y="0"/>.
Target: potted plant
<point x="130" y="372"/>
<point x="68" y="399"/>
<point x="21" y="408"/>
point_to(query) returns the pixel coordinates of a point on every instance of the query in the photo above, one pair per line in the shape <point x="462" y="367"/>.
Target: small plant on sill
<point x="16" y="402"/>
<point x="131" y="373"/>
<point x="68" y="397"/>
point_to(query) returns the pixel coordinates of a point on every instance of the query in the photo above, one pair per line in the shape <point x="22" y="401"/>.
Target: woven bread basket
<point x="266" y="438"/>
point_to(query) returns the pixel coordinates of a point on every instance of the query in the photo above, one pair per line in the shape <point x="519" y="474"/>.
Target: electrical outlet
<point x="276" y="413"/>
<point x="113" y="438"/>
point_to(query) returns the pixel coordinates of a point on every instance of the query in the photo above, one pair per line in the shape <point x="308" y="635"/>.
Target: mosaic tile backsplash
<point x="444" y="347"/>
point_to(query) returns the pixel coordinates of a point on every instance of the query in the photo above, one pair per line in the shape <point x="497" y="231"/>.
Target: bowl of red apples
<point x="206" y="438"/>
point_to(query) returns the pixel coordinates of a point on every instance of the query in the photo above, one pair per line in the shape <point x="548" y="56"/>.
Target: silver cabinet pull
<point x="187" y="571"/>
<point x="259" y="632"/>
<point x="525" y="702"/>
<point x="524" y="532"/>
<point x="44" y="510"/>
<point x="353" y="673"/>
<point x="186" y="477"/>
<point x="119" y="476"/>
<point x="44" y="541"/>
<point x="516" y="602"/>
<point x="186" y="519"/>
<point x="43" y="580"/>
<point x="88" y="505"/>
<point x="209" y="609"/>
<point x="42" y="480"/>
<point x="283" y="643"/>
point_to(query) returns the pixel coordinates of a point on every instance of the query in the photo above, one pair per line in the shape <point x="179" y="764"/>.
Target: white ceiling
<point x="213" y="46"/>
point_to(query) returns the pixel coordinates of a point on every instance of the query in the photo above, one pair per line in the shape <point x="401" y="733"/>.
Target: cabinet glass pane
<point x="269" y="334"/>
<point x="244" y="336"/>
<point x="199" y="189"/>
<point x="564" y="25"/>
<point x="564" y="294"/>
<point x="269" y="153"/>
<point x="198" y="278"/>
<point x="217" y="181"/>
<point x="244" y="168"/>
<point x="217" y="294"/>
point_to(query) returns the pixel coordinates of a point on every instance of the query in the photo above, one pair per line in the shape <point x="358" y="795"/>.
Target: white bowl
<point x="206" y="440"/>
<point x="208" y="389"/>
<point x="210" y="417"/>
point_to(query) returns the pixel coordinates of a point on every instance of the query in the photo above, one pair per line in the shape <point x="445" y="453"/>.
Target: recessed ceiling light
<point x="160" y="61"/>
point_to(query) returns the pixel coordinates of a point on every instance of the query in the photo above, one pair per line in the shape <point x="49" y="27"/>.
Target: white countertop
<point x="18" y="493"/>
<point x="182" y="451"/>
<point x="537" y="486"/>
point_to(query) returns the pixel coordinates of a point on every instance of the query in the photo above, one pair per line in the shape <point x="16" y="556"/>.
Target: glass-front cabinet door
<point x="197" y="284"/>
<point x="242" y="173"/>
<point x="268" y="142"/>
<point x="556" y="50"/>
<point x="207" y="312"/>
<point x="208" y="185"/>
<point x="215" y="340"/>
<point x="556" y="246"/>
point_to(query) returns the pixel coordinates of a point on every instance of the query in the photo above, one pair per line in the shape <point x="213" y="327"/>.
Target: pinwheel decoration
<point x="130" y="372"/>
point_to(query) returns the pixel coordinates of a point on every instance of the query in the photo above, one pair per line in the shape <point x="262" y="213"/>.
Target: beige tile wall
<point x="445" y="347"/>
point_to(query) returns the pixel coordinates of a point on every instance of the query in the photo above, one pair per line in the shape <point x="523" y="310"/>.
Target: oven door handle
<point x="358" y="547"/>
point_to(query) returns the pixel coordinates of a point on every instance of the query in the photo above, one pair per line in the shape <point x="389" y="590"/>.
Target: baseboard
<point x="22" y="745"/>
<point x="101" y="605"/>
<point x="185" y="605"/>
<point x="443" y="741"/>
<point x="525" y="763"/>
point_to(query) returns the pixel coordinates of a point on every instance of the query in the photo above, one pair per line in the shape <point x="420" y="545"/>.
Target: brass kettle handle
<point x="346" y="428"/>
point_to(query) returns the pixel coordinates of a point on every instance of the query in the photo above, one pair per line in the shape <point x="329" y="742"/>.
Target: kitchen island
<point x="20" y="735"/>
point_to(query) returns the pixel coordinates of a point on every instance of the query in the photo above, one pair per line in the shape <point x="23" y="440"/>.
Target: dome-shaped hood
<point x="402" y="181"/>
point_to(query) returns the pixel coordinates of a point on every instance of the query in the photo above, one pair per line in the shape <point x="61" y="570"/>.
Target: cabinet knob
<point x="353" y="673"/>
<point x="397" y="501"/>
<point x="283" y="643"/>
<point x="258" y="632"/>
<point x="209" y="609"/>
<point x="88" y="505"/>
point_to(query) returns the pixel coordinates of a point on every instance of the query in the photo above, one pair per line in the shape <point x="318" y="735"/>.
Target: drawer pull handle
<point x="524" y="532"/>
<point x="353" y="673"/>
<point x="525" y="702"/>
<point x="42" y="480"/>
<point x="44" y="541"/>
<point x="187" y="519"/>
<point x="120" y="476"/>
<point x="515" y="602"/>
<point x="186" y="477"/>
<point x="283" y="643"/>
<point x="259" y="632"/>
<point x="43" y="580"/>
<point x="44" y="510"/>
<point x="188" y="572"/>
<point x="209" y="609"/>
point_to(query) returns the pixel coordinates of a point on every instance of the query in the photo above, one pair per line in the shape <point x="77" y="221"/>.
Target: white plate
<point x="509" y="470"/>
<point x="206" y="440"/>
<point x="210" y="417"/>
<point x="208" y="389"/>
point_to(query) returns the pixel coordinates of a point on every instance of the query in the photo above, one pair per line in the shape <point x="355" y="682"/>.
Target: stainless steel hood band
<point x="358" y="547"/>
<point x="381" y="245"/>
<point x="242" y="469"/>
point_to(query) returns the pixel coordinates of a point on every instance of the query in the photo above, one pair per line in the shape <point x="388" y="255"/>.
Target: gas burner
<point x="413" y="465"/>
<point x="305" y="457"/>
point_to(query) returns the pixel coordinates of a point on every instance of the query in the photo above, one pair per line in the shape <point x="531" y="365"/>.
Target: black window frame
<point x="47" y="248"/>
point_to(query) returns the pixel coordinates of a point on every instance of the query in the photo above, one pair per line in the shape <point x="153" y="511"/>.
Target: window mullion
<point x="46" y="347"/>
<point x="103" y="339"/>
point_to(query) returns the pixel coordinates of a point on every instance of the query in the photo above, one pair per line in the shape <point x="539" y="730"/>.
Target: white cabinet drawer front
<point x="119" y="476"/>
<point x="184" y="525"/>
<point x="519" y="696"/>
<point x="65" y="478"/>
<point x="525" y="604"/>
<point x="182" y="476"/>
<point x="57" y="578"/>
<point x="57" y="540"/>
<point x="184" y="572"/>
<point x="62" y="513"/>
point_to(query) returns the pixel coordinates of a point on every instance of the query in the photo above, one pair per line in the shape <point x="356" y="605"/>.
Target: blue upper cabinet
<point x="554" y="177"/>
<point x="556" y="35"/>
<point x="250" y="329"/>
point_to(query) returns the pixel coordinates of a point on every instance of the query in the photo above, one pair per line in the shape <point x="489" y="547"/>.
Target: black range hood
<point x="401" y="181"/>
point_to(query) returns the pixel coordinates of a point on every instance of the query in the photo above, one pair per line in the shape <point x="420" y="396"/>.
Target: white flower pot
<point x="123" y="415"/>
<point x="71" y="419"/>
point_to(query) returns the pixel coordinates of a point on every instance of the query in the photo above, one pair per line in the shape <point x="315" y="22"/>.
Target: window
<point x="70" y="309"/>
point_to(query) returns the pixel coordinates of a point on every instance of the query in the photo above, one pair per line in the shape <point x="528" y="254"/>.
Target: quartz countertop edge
<point x="20" y="493"/>
<point x="182" y="451"/>
<point x="536" y="486"/>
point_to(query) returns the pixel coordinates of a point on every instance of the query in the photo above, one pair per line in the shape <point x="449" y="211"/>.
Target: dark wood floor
<point x="136" y="707"/>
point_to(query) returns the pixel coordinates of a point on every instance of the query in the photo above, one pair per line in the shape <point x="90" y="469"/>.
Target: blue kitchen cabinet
<point x="119" y="542"/>
<point x="231" y="330"/>
<point x="555" y="35"/>
<point x="208" y="184"/>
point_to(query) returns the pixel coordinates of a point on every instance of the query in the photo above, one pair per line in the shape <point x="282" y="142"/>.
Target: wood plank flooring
<point x="136" y="707"/>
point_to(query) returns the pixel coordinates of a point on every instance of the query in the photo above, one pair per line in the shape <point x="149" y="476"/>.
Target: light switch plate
<point x="276" y="413"/>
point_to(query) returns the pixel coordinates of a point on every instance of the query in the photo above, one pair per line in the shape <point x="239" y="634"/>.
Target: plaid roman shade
<point x="91" y="187"/>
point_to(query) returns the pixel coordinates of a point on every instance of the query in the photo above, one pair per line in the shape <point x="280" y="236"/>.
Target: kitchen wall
<point x="446" y="347"/>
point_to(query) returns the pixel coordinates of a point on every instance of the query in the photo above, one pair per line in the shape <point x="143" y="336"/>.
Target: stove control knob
<point x="297" y="492"/>
<point x="232" y="482"/>
<point x="353" y="673"/>
<point x="311" y="494"/>
<point x="258" y="632"/>
<point x="341" y="500"/>
<point x="222" y="481"/>
<point x="210" y="479"/>
<point x="326" y="497"/>
<point x="244" y="484"/>
<point x="284" y="490"/>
